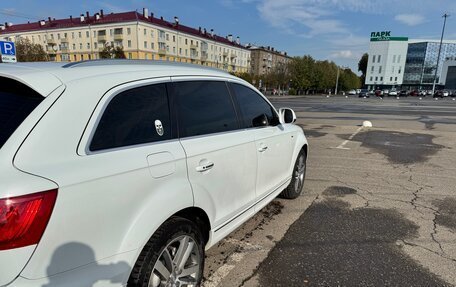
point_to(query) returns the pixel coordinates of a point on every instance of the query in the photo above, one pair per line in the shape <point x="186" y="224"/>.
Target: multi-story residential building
<point x="266" y="59"/>
<point x="141" y="35"/>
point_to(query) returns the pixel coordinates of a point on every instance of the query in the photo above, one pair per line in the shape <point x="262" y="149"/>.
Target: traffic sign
<point x="8" y="52"/>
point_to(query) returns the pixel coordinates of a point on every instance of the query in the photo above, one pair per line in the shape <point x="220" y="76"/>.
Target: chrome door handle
<point x="263" y="149"/>
<point x="205" y="167"/>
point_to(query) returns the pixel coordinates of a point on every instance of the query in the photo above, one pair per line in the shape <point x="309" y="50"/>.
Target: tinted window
<point x="17" y="101"/>
<point x="252" y="106"/>
<point x="204" y="107"/>
<point x="136" y="116"/>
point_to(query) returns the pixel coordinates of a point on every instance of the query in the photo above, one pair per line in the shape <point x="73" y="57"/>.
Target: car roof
<point x="45" y="77"/>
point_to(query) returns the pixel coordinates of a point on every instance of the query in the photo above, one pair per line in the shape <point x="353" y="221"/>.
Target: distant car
<point x="422" y="93"/>
<point x="393" y="92"/>
<point x="438" y="94"/>
<point x="358" y="91"/>
<point x="403" y="93"/>
<point x="378" y="93"/>
<point x="364" y="93"/>
<point x="429" y="93"/>
<point x="371" y="92"/>
<point x="352" y="92"/>
<point x="385" y="92"/>
<point x="414" y="93"/>
<point x="446" y="93"/>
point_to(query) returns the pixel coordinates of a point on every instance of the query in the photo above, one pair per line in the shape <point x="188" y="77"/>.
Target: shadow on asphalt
<point x="398" y="147"/>
<point x="333" y="245"/>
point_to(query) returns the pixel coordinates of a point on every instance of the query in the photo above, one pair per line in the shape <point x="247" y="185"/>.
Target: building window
<point x="399" y="58"/>
<point x="167" y="37"/>
<point x="373" y="59"/>
<point x="88" y="45"/>
<point x="399" y="71"/>
<point x="87" y="34"/>
<point x="174" y="39"/>
<point x="129" y="56"/>
<point x="394" y="59"/>
<point x="80" y="34"/>
<point x="379" y="69"/>
<point x="145" y="44"/>
<point x="180" y="51"/>
<point x="95" y="45"/>
<point x="372" y="69"/>
<point x="128" y="31"/>
<point x="145" y="31"/>
<point x="152" y="46"/>
<point x="391" y="79"/>
<point x="58" y="36"/>
<point x="376" y="79"/>
<point x="74" y="46"/>
<point x="395" y="79"/>
<point x="174" y="50"/>
<point x="74" y="57"/>
<point x="379" y="57"/>
<point x="129" y="43"/>
<point x="186" y="41"/>
<point x="80" y="46"/>
<point x="381" y="79"/>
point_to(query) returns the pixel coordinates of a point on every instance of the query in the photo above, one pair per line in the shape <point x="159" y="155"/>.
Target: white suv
<point x="121" y="173"/>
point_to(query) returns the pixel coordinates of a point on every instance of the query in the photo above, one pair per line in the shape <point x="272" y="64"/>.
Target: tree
<point x="302" y="73"/>
<point x="110" y="52"/>
<point x="26" y="51"/>
<point x="362" y="67"/>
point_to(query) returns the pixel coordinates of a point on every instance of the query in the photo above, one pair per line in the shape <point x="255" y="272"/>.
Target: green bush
<point x="292" y="92"/>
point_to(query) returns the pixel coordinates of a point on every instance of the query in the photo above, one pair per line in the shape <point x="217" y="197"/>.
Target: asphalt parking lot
<point x="379" y="204"/>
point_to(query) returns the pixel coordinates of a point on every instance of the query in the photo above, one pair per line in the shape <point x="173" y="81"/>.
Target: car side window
<point x="204" y="107"/>
<point x="252" y="105"/>
<point x="140" y="115"/>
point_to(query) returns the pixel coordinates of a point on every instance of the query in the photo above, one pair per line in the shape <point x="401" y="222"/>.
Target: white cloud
<point x="410" y="19"/>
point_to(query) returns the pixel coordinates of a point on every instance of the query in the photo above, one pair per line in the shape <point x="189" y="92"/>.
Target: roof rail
<point x="114" y="62"/>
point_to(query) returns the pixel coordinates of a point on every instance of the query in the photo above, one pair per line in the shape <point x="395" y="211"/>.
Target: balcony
<point x="50" y="41"/>
<point x="118" y="36"/>
<point x="64" y="49"/>
<point x="194" y="56"/>
<point x="204" y="56"/>
<point x="64" y="40"/>
<point x="102" y="38"/>
<point x="233" y="56"/>
<point x="225" y="54"/>
<point x="162" y="51"/>
<point x="193" y="47"/>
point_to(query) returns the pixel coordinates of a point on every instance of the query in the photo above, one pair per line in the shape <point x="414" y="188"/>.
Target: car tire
<point x="163" y="261"/>
<point x="294" y="189"/>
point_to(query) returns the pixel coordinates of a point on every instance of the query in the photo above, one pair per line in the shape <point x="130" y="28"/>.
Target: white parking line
<point x="342" y="145"/>
<point x="245" y="247"/>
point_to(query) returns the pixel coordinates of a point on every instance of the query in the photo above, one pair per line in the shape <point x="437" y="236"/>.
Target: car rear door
<point x="220" y="158"/>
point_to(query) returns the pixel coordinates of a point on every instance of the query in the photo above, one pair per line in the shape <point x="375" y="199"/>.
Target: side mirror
<point x="260" y="121"/>
<point x="287" y="116"/>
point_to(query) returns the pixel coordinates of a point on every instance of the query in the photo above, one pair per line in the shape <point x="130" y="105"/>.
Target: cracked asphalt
<point x="381" y="211"/>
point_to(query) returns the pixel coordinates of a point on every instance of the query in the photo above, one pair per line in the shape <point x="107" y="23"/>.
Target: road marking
<point x="245" y="247"/>
<point x="342" y="145"/>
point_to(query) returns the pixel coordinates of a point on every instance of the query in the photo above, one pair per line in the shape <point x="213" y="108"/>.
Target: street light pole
<point x="445" y="16"/>
<point x="337" y="80"/>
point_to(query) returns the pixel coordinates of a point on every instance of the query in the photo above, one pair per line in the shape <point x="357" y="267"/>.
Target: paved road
<point x="378" y="206"/>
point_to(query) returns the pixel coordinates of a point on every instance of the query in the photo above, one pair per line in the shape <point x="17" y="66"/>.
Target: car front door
<point x="220" y="161"/>
<point x="273" y="142"/>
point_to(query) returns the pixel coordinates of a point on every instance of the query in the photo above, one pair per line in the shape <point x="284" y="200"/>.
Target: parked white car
<point x="392" y="92"/>
<point x="122" y="173"/>
<point x="352" y="92"/>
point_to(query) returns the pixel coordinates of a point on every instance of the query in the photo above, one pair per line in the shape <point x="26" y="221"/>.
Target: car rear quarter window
<point x="137" y="116"/>
<point x="252" y="105"/>
<point x="17" y="101"/>
<point x="204" y="107"/>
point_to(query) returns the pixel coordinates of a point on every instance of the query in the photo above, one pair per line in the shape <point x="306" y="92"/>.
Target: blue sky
<point x="337" y="30"/>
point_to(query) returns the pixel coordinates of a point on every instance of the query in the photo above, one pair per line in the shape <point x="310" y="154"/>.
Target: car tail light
<point x="23" y="219"/>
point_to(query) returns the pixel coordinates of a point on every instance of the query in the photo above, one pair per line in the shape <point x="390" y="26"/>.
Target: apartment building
<point x="266" y="59"/>
<point x="141" y="35"/>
